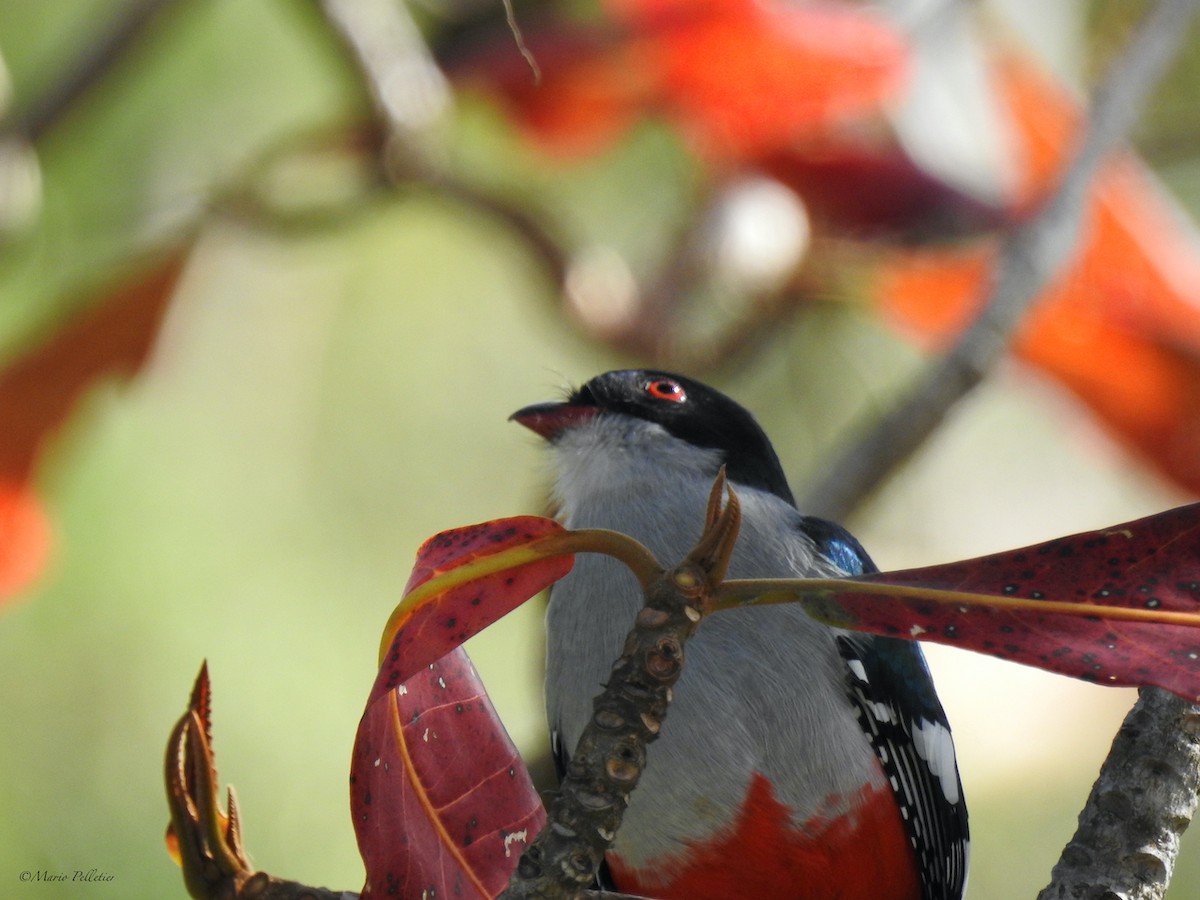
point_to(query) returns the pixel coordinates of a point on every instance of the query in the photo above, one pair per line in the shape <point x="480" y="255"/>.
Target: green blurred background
<point x="323" y="400"/>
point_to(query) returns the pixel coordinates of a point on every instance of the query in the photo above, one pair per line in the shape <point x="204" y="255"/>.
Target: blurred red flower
<point x="1120" y="326"/>
<point x="740" y="78"/>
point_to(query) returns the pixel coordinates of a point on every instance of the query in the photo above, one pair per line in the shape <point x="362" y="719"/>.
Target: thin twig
<point x="510" y="18"/>
<point x="1030" y="256"/>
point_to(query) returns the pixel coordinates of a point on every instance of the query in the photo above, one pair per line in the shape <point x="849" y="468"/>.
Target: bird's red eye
<point x="666" y="389"/>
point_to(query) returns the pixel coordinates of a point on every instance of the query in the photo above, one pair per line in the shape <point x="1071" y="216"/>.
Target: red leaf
<point x="456" y="547"/>
<point x="39" y="390"/>
<point x="114" y="335"/>
<point x="1118" y="606"/>
<point x="418" y="634"/>
<point x="442" y="804"/>
<point x="867" y="186"/>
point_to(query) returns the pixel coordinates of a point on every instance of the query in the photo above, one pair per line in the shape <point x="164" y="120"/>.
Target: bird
<point x="796" y="760"/>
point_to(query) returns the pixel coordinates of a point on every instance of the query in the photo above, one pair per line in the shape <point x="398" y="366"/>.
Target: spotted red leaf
<point x="442" y="804"/>
<point x="464" y="580"/>
<point x="1118" y="606"/>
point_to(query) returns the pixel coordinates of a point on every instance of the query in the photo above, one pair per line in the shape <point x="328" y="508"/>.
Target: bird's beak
<point x="551" y="419"/>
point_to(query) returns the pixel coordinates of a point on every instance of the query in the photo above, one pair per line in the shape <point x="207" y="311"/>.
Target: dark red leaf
<point x="442" y="804"/>
<point x="1118" y="606"/>
<point x="867" y="186"/>
<point x="426" y="627"/>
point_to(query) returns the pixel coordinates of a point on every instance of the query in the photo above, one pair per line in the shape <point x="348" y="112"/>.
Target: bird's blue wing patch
<point x="837" y="545"/>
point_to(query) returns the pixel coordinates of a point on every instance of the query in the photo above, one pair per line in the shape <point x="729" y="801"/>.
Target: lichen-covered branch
<point x="1144" y="799"/>
<point x="627" y="716"/>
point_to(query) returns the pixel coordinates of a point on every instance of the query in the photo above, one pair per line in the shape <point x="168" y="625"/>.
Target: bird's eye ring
<point x="666" y="389"/>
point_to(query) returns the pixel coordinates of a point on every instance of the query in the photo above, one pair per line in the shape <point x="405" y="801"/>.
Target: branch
<point x="1031" y="254"/>
<point x="1146" y="794"/>
<point x="611" y="754"/>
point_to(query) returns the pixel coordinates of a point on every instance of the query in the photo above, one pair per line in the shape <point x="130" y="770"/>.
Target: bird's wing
<point x="898" y="709"/>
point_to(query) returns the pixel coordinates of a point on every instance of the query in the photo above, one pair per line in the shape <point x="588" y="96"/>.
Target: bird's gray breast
<point x="762" y="690"/>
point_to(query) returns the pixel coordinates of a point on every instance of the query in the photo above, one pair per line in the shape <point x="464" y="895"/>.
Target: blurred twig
<point x="410" y="94"/>
<point x="1030" y="256"/>
<point x="104" y="51"/>
<point x="740" y="342"/>
<point x="408" y="91"/>
<point x="539" y="240"/>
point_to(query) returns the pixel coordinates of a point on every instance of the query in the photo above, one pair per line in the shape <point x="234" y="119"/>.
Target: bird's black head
<point x="685" y="408"/>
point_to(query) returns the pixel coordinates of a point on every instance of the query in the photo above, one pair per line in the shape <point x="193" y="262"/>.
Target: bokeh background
<point x="329" y="386"/>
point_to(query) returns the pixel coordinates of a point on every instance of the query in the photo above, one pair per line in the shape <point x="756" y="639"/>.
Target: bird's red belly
<point x="864" y="855"/>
